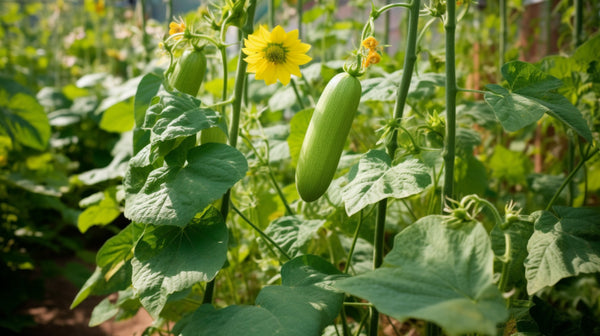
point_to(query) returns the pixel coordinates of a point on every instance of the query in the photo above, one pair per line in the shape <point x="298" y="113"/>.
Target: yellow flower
<point x="175" y="28"/>
<point x="370" y="43"/>
<point x="372" y="58"/>
<point x="275" y="55"/>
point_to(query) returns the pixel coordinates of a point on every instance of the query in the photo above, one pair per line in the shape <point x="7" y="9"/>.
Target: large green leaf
<point x="146" y="90"/>
<point x="530" y="94"/>
<point x="178" y="115"/>
<point x="293" y="233"/>
<point x="562" y="246"/>
<point x="439" y="274"/>
<point x="302" y="306"/>
<point x="376" y="179"/>
<point x="169" y="259"/>
<point x="173" y="195"/>
<point x="23" y="119"/>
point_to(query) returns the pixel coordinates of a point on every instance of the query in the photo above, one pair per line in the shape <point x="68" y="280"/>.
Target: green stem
<point x="578" y="24"/>
<point x="503" y="34"/>
<point x="143" y="28"/>
<point x="240" y="78"/>
<point x="472" y="90"/>
<point x="409" y="63"/>
<point x="354" y="239"/>
<point x="261" y="233"/>
<point x="451" y="89"/>
<point x="209" y="292"/>
<point x="570" y="165"/>
<point x="168" y="11"/>
<point x="233" y="131"/>
<point x="385" y="8"/>
<point x="506" y="259"/>
<point x="298" y="97"/>
<point x="299" y="9"/>
<point x="271" y="13"/>
<point x="265" y="163"/>
<point x="570" y="177"/>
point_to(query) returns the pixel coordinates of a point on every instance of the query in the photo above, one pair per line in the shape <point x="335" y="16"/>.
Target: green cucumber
<point x="326" y="135"/>
<point x="189" y="72"/>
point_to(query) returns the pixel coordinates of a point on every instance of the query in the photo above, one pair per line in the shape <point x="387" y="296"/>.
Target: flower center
<point x="275" y="53"/>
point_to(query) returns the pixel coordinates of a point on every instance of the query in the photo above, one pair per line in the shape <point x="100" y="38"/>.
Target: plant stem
<point x="570" y="177"/>
<point x="505" y="263"/>
<point x="299" y="10"/>
<point x="298" y="97"/>
<point x="578" y="24"/>
<point x="354" y="239"/>
<point x="451" y="89"/>
<point x="235" y="122"/>
<point x="261" y="233"/>
<point x="503" y="34"/>
<point x="392" y="145"/>
<point x="409" y="64"/>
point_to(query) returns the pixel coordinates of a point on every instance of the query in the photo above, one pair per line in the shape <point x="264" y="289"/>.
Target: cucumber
<point x="326" y="135"/>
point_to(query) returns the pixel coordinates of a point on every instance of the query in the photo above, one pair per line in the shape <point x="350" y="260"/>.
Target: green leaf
<point x="173" y="195"/>
<point x="169" y="259"/>
<point x="376" y="179"/>
<point x="293" y="234"/>
<point x="178" y="115"/>
<point x="96" y="284"/>
<point x="253" y="320"/>
<point x="104" y="311"/>
<point x="23" y="119"/>
<point x="117" y="250"/>
<point x="439" y="274"/>
<point x="102" y="213"/>
<point x="118" y="118"/>
<point x="298" y="127"/>
<point x="562" y="246"/>
<point x="146" y="90"/>
<point x="302" y="306"/>
<point x="530" y="94"/>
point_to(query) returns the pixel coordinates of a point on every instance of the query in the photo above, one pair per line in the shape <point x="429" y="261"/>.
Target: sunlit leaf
<point x="172" y="195"/>
<point x="293" y="233"/>
<point x="376" y="179"/>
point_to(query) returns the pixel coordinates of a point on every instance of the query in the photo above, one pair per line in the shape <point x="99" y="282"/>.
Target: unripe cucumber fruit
<point x="326" y="135"/>
<point x="189" y="72"/>
<point x="213" y="134"/>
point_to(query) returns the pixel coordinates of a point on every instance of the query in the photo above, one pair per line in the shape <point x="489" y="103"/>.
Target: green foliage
<point x="529" y="95"/>
<point x="374" y="179"/>
<point x="562" y="246"/>
<point x="436" y="273"/>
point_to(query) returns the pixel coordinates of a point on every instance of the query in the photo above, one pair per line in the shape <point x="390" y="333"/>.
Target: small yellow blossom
<point x="175" y="28"/>
<point x="99" y="7"/>
<point x="275" y="55"/>
<point x="372" y="58"/>
<point x="370" y="43"/>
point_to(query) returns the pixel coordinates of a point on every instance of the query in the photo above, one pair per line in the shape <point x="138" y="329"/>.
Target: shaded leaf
<point x="169" y="259"/>
<point x="293" y="234"/>
<point x="438" y="274"/>
<point x="23" y="119"/>
<point x="530" y="94"/>
<point x="562" y="246"/>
